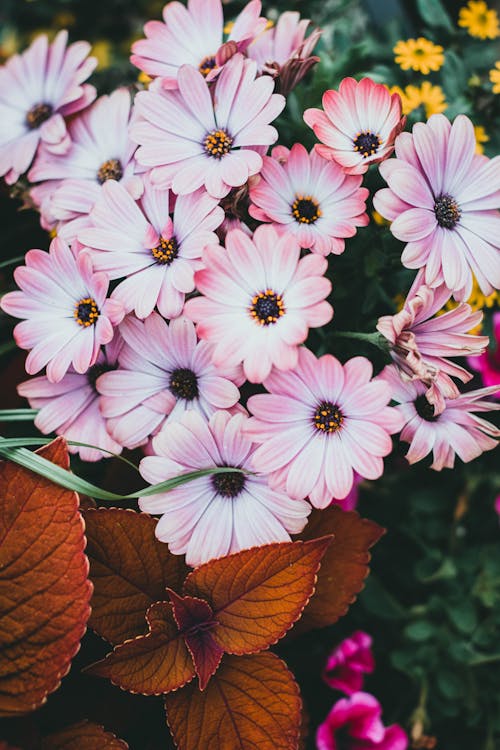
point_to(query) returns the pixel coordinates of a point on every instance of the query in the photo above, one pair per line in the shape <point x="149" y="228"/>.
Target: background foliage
<point x="432" y="602"/>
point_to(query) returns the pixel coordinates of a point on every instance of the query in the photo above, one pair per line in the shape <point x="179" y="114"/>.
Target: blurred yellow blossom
<point x="378" y="219"/>
<point x="419" y="54"/>
<point x="477" y="300"/>
<point x="495" y="77"/>
<point x="479" y="20"/>
<point x="144" y="78"/>
<point x="481" y="137"/>
<point x="427" y="95"/>
<point x="101" y="49"/>
<point x="63" y="19"/>
<point x="9" y="43"/>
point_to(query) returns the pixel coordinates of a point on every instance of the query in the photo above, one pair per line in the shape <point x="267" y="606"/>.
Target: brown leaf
<point x="251" y="703"/>
<point x="258" y="594"/>
<point x="83" y="736"/>
<point x="44" y="590"/>
<point x="344" y="566"/>
<point x="150" y="664"/>
<point x="130" y="570"/>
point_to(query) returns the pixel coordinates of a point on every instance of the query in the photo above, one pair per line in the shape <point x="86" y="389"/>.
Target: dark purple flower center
<point x="424" y="409"/>
<point x="447" y="211"/>
<point x="38" y="114"/>
<point x="184" y="384"/>
<point x="305" y="210"/>
<point x="110" y="170"/>
<point x="95" y="372"/>
<point x="328" y="417"/>
<point x="229" y="484"/>
<point x="367" y="143"/>
<point x="267" y="307"/>
<point x="166" y="251"/>
<point x="207" y="64"/>
<point x="86" y="312"/>
<point x="217" y="143"/>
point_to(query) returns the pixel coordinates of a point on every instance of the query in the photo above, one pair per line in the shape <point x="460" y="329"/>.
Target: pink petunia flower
<point x="456" y="430"/>
<point x="355" y="723"/>
<point x="422" y="341"/>
<point x="155" y="252"/>
<point x="100" y="150"/>
<point x="194" y="136"/>
<point x="311" y="199"/>
<point x="488" y="364"/>
<point x="443" y="201"/>
<point x="348" y="662"/>
<point x="219" y="514"/>
<point x="71" y="406"/>
<point x="359" y="124"/>
<point x="260" y="299"/>
<point x="350" y="501"/>
<point x="67" y="313"/>
<point x="193" y="36"/>
<point x="38" y="89"/>
<point x="163" y="371"/>
<point x="321" y="422"/>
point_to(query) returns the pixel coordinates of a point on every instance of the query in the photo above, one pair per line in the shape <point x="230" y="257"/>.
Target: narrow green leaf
<point x="17" y="415"/>
<point x="11" y="261"/>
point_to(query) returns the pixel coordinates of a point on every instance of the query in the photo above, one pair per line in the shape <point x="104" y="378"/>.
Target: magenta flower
<point x="355" y="723"/>
<point x="67" y="314"/>
<point x="321" y="422"/>
<point x="348" y="662"/>
<point x="163" y="371"/>
<point x="219" y="514"/>
<point x="260" y="299"/>
<point x="71" y="406"/>
<point x="100" y="150"/>
<point x="38" y="89"/>
<point x="456" y="430"/>
<point x="193" y="36"/>
<point x="359" y="124"/>
<point x="350" y="501"/>
<point x="196" y="136"/>
<point x="422" y="341"/>
<point x="310" y="199"/>
<point x="155" y="252"/>
<point x="442" y="201"/>
<point x="488" y="364"/>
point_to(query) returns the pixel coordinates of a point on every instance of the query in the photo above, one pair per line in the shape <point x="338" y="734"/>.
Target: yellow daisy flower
<point x="481" y="137"/>
<point x="419" y="54"/>
<point x="495" y="77"/>
<point x="410" y="97"/>
<point x="479" y="20"/>
<point x="430" y="97"/>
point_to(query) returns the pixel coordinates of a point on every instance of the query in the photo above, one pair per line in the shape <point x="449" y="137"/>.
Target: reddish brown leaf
<point x="83" y="736"/>
<point x="258" y="594"/>
<point x="130" y="570"/>
<point x="150" y="664"/>
<point x="251" y="703"/>
<point x="205" y="653"/>
<point x="189" y="611"/>
<point x="44" y="591"/>
<point x="344" y="566"/>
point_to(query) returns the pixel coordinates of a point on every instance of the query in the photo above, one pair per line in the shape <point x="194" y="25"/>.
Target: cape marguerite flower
<point x="38" y="89"/>
<point x="443" y="200"/>
<point x="219" y="514"/>
<point x="319" y="423"/>
<point x="194" y="136"/>
<point x="259" y="301"/>
<point x="359" y="124"/>
<point x="311" y="199"/>
<point x="67" y="313"/>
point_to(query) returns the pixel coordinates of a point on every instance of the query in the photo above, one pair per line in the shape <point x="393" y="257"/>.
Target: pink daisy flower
<point x="219" y="514"/>
<point x="67" y="313"/>
<point x="71" y="406"/>
<point x="488" y="364"/>
<point x="359" y="124"/>
<point x="355" y="723"/>
<point x="422" y="341"/>
<point x="163" y="371"/>
<point x="193" y="36"/>
<point x="194" y="136"/>
<point x="157" y="253"/>
<point x="37" y="90"/>
<point x="260" y="299"/>
<point x="442" y="201"/>
<point x="348" y="662"/>
<point x="321" y="422"/>
<point x="457" y="430"/>
<point x="100" y="150"/>
<point x="311" y="199"/>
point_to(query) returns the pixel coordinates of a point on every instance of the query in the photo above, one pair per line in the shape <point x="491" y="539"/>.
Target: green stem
<point x="11" y="262"/>
<point x="17" y="415"/>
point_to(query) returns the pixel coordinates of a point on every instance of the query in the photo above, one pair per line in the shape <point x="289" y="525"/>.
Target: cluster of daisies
<point x="188" y="258"/>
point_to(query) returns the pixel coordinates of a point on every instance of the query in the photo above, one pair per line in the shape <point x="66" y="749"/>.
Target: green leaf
<point x="449" y="684"/>
<point x="420" y="631"/>
<point x="433" y="13"/>
<point x="463" y="616"/>
<point x="17" y="415"/>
